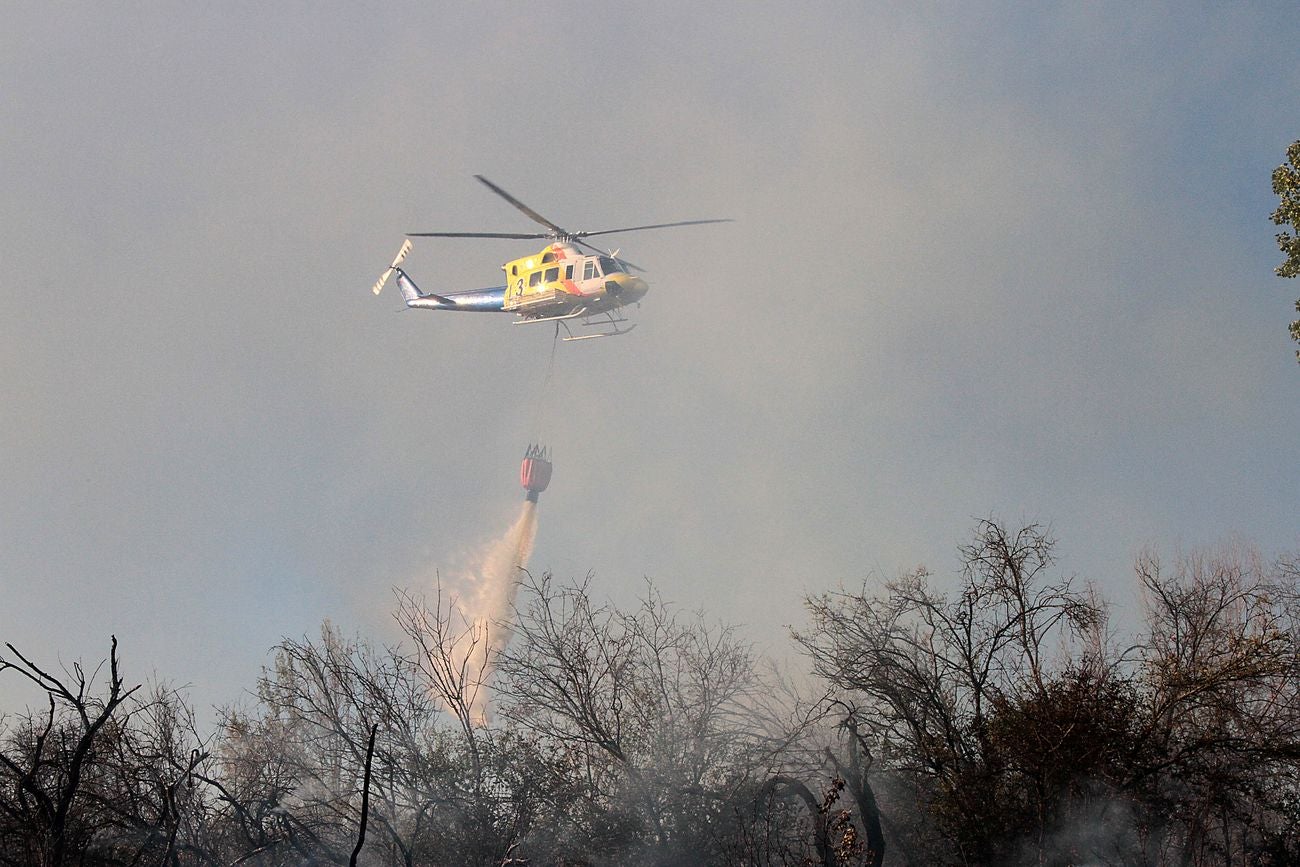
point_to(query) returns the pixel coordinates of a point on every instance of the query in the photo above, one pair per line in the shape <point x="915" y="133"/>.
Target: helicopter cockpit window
<point x="534" y="278"/>
<point x="589" y="269"/>
<point x="552" y="274"/>
<point x="610" y="266"/>
<point x="549" y="257"/>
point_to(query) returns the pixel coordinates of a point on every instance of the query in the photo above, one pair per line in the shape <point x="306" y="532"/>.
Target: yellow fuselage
<point x="561" y="276"/>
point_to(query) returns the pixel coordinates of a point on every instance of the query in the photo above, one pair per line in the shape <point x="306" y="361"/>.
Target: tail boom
<point x="491" y="300"/>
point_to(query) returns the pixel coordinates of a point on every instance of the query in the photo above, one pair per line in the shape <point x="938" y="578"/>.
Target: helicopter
<point x="569" y="281"/>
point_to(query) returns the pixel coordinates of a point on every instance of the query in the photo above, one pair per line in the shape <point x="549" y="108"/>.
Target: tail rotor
<point x="397" y="260"/>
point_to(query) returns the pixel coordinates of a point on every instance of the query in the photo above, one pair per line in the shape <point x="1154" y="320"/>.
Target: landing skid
<point x="607" y="319"/>
<point x="572" y="314"/>
<point x="602" y="320"/>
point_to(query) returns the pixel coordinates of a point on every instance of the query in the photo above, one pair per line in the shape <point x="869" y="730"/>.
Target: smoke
<point x="488" y="598"/>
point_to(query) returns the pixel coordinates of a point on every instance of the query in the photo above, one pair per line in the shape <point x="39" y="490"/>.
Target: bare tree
<point x="655" y="707"/>
<point x="451" y="653"/>
<point x="1002" y="726"/>
<point x="48" y="785"/>
<point x="440" y="788"/>
<point x="992" y="721"/>
<point x="928" y="670"/>
<point x="453" y="658"/>
<point x="108" y="777"/>
<point x="292" y="774"/>
<point x="1222" y="682"/>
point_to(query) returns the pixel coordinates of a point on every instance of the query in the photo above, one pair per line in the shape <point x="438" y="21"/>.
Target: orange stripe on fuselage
<point x="561" y="252"/>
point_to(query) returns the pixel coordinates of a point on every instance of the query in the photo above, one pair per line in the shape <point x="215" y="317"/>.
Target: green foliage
<point x="1286" y="184"/>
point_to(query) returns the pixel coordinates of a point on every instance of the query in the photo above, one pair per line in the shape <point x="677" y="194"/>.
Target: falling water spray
<point x="489" y="601"/>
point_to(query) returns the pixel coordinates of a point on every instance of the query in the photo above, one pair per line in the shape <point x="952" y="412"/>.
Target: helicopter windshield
<point x="611" y="266"/>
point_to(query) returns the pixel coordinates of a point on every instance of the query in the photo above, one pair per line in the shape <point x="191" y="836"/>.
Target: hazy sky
<point x="988" y="259"/>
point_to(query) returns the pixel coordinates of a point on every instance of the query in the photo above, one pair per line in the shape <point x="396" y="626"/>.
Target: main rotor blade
<point x="517" y="236"/>
<point x="655" y="226"/>
<point x="533" y="215"/>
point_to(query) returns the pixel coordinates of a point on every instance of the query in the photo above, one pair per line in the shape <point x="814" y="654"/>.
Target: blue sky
<point x="987" y="260"/>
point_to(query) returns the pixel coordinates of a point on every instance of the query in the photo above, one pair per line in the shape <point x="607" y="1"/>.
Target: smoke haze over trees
<point x="990" y="717"/>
